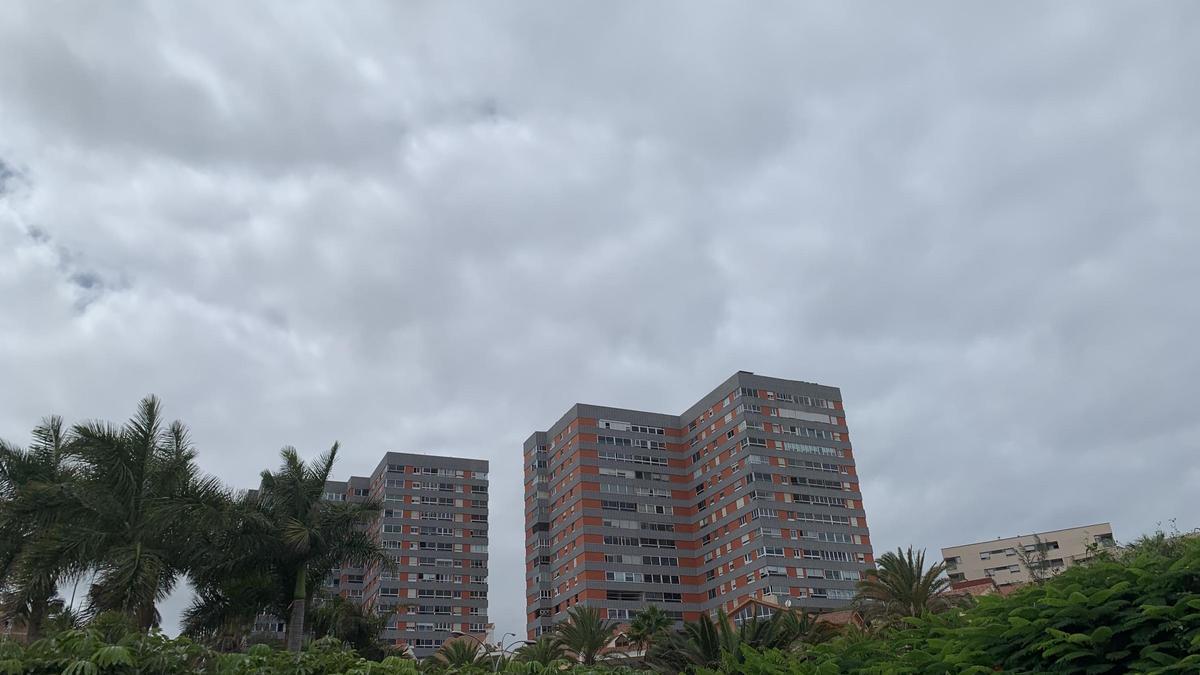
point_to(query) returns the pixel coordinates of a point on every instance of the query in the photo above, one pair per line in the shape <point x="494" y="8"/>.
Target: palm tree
<point x="349" y="622"/>
<point x="585" y="633"/>
<point x="236" y="576"/>
<point x="460" y="654"/>
<point x="708" y="643"/>
<point x="784" y="629"/>
<point x="132" y="515"/>
<point x="647" y="626"/>
<point x="29" y="585"/>
<point x="699" y="645"/>
<point x="799" y="628"/>
<point x="223" y="611"/>
<point x="62" y="617"/>
<point x="902" y="586"/>
<point x="545" y="650"/>
<point x="310" y="535"/>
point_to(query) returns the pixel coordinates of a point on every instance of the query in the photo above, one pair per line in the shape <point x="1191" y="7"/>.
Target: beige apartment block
<point x="1008" y="561"/>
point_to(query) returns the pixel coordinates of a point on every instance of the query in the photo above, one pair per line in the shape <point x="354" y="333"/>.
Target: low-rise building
<point x="1024" y="558"/>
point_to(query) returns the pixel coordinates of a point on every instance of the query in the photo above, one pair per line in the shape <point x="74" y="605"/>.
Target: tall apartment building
<point x="751" y="492"/>
<point x="1007" y="561"/>
<point x="434" y="524"/>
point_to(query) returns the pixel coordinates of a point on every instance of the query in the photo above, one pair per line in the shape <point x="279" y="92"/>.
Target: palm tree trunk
<point x="39" y="609"/>
<point x="33" y="623"/>
<point x="146" y="616"/>
<point x="295" y="631"/>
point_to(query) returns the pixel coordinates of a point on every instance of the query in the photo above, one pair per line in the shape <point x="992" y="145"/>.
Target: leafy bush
<point x="85" y="652"/>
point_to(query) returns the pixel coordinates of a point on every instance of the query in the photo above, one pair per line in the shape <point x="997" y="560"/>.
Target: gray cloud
<point x="434" y="227"/>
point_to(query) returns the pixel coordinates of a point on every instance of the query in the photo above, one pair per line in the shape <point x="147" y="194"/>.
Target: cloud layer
<point x="434" y="227"/>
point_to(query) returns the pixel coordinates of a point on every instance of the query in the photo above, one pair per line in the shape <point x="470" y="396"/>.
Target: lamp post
<point x="513" y="644"/>
<point x="505" y="649"/>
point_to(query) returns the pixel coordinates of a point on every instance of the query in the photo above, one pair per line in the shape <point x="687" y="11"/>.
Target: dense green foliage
<point x="351" y="622"/>
<point x="28" y="582"/>
<point x="1134" y="611"/>
<point x="1139" y="612"/>
<point x="276" y="545"/>
<point x="87" y="652"/>
<point x="126" y="508"/>
<point x="123" y="504"/>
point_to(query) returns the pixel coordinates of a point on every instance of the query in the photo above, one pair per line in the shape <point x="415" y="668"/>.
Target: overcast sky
<point x="434" y="227"/>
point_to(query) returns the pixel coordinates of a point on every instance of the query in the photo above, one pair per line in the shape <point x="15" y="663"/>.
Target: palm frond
<point x="902" y="587"/>
<point x="177" y="441"/>
<point x="145" y="427"/>
<point x="461" y="654"/>
<point x="299" y="536"/>
<point x="323" y="467"/>
<point x="49" y="438"/>
<point x="103" y="454"/>
<point x="360" y="549"/>
<point x="546" y="650"/>
<point x="234" y="601"/>
<point x="585" y="633"/>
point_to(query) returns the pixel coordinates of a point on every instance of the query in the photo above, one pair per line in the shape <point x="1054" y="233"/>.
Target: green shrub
<point x="85" y="652"/>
